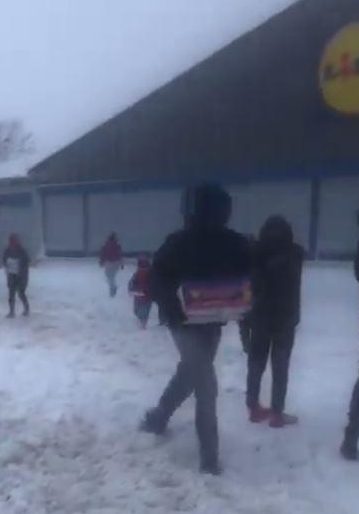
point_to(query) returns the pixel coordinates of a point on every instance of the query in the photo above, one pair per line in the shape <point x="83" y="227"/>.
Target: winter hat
<point x="143" y="262"/>
<point x="14" y="240"/>
<point x="211" y="206"/>
<point x="276" y="232"/>
<point x="113" y="237"/>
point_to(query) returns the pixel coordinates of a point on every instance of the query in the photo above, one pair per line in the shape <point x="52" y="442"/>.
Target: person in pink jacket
<point x="111" y="260"/>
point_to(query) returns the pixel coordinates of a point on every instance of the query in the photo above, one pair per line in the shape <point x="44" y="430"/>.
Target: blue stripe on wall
<point x="230" y="177"/>
<point x="16" y="199"/>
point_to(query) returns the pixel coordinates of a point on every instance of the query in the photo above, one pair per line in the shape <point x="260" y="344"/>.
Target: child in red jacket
<point x="139" y="286"/>
<point x="111" y="260"/>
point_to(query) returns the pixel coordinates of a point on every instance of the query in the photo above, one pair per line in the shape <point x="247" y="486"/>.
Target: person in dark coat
<point x="204" y="250"/>
<point x="139" y="286"/>
<point x="16" y="262"/>
<point x="349" y="447"/>
<point x="111" y="260"/>
<point x="275" y="315"/>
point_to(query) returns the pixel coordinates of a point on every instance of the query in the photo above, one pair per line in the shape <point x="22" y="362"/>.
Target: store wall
<point x="339" y="208"/>
<point x="252" y="204"/>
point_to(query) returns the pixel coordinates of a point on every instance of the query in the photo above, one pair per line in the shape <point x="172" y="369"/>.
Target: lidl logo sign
<point x="339" y="71"/>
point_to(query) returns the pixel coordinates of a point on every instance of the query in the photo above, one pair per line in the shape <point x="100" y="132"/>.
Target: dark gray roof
<point x="253" y="108"/>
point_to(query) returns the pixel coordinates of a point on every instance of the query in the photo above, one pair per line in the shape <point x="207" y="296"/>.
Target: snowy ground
<point x="76" y="377"/>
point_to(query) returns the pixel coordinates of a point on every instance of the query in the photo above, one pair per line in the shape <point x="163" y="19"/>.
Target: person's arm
<point x="245" y="252"/>
<point x="24" y="265"/>
<point x="131" y="284"/>
<point x="26" y="258"/>
<point x="165" y="276"/>
<point x="165" y="265"/>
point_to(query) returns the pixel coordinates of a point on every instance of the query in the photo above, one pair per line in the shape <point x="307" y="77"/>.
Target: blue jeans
<point x="111" y="270"/>
<point x="142" y="309"/>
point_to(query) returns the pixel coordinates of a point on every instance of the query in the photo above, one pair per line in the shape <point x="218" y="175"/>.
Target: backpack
<point x="215" y="301"/>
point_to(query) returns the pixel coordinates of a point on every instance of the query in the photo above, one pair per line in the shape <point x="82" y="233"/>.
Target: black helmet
<point x="207" y="205"/>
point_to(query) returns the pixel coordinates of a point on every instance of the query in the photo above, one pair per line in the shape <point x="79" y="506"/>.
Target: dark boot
<point x="280" y="420"/>
<point x="349" y="447"/>
<point x="154" y="422"/>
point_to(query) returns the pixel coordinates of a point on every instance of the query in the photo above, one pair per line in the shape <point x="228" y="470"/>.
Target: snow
<point x="76" y="377"/>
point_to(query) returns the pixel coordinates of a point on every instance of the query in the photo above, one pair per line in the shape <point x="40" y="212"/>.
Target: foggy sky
<point x="68" y="65"/>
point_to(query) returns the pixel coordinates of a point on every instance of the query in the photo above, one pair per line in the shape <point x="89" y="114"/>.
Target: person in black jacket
<point x="349" y="448"/>
<point x="16" y="263"/>
<point x="204" y="250"/>
<point x="276" y="312"/>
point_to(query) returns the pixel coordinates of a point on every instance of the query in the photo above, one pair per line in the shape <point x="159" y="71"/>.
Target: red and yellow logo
<point x="339" y="71"/>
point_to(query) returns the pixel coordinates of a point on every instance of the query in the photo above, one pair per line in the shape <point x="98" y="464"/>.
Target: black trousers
<point x="17" y="286"/>
<point x="278" y="344"/>
<point x="197" y="347"/>
<point x="352" y="430"/>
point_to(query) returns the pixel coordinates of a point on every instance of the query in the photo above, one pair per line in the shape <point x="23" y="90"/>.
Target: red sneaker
<point x="259" y="414"/>
<point x="282" y="420"/>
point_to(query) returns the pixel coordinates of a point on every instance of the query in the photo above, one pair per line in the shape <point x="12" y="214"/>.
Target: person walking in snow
<point x="349" y="447"/>
<point x="204" y="251"/>
<point x="139" y="286"/>
<point x="111" y="260"/>
<point x="16" y="262"/>
<point x="277" y="274"/>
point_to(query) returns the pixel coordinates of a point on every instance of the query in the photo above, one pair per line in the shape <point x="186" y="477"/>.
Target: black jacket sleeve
<point x="24" y="266"/>
<point x="165" y="279"/>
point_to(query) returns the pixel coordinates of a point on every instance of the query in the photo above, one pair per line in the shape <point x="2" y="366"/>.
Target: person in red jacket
<point x="139" y="286"/>
<point x="111" y="260"/>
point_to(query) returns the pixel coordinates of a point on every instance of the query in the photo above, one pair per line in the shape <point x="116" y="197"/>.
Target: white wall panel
<point x="241" y="209"/>
<point x="19" y="220"/>
<point x="141" y="219"/>
<point x="338" y="232"/>
<point x="252" y="204"/>
<point x="64" y="223"/>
